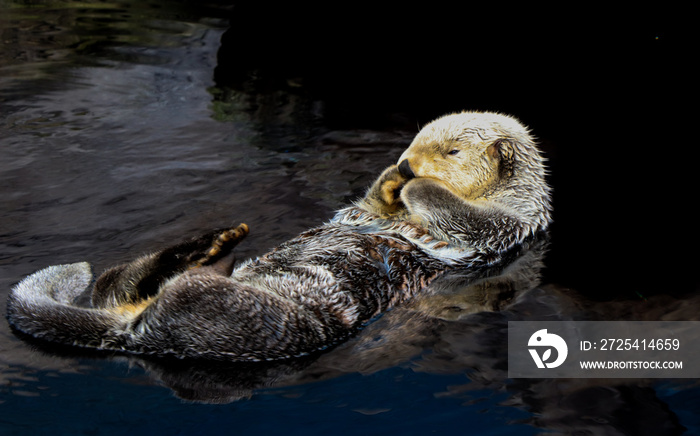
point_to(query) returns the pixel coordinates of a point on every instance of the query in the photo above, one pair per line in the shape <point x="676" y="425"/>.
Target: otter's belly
<point x="348" y="271"/>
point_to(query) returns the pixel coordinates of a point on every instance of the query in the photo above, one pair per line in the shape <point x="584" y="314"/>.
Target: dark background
<point x="602" y="90"/>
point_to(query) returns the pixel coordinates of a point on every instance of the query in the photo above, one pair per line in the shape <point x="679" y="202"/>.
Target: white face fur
<point x="466" y="151"/>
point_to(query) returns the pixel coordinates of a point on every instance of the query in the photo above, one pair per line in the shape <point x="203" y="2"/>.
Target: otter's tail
<point x="41" y="305"/>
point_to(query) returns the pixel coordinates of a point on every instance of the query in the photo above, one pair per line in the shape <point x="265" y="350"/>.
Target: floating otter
<point x="469" y="190"/>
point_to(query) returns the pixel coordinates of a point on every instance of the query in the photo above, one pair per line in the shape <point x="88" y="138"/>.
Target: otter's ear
<point x="503" y="151"/>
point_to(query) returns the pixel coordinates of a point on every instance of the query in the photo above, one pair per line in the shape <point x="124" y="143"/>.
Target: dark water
<point x="128" y="126"/>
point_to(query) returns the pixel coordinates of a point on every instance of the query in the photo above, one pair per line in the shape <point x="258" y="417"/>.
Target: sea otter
<point x="468" y="190"/>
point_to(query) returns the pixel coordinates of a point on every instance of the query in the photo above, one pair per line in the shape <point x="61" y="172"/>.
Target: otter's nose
<point x="405" y="169"/>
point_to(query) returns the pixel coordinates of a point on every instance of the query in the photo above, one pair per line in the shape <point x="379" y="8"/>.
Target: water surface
<point x="128" y="126"/>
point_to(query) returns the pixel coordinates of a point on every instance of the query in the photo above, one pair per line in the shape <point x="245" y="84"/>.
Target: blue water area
<point x="113" y="399"/>
<point x="129" y="126"/>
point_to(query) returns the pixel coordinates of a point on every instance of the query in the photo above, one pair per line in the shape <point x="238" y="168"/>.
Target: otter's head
<point x="482" y="155"/>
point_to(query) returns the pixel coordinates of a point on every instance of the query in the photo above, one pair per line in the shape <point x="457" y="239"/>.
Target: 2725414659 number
<point x="640" y="344"/>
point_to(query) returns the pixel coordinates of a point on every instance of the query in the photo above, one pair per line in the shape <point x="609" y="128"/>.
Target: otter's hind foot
<point x="222" y="245"/>
<point x="141" y="278"/>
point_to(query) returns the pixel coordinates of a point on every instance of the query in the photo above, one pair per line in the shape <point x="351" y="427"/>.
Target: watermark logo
<point x="604" y="349"/>
<point x="546" y="342"/>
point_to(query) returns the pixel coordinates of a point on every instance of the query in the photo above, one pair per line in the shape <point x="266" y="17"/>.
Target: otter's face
<point x="466" y="162"/>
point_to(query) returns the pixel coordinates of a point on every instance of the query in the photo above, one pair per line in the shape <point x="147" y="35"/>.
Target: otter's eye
<point x="453" y="152"/>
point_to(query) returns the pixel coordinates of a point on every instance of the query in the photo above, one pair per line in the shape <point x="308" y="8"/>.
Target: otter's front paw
<point x="383" y="198"/>
<point x="385" y="194"/>
<point x="390" y="191"/>
<point x="424" y="196"/>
